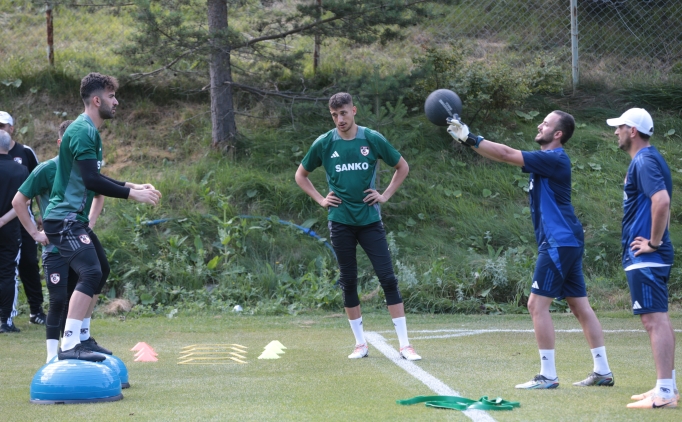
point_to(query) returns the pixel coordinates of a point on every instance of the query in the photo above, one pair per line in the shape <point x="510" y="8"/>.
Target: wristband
<point x="478" y="141"/>
<point x="654" y="247"/>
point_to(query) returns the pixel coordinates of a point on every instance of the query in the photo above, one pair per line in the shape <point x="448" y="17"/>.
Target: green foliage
<point x="485" y="87"/>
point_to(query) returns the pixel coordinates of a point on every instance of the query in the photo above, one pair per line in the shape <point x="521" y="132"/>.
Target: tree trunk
<point x="50" y="42"/>
<point x="224" y="130"/>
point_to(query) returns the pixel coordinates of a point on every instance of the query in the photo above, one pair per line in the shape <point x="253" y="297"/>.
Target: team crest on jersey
<point x="84" y="238"/>
<point x="364" y="151"/>
<point x="54" y="278"/>
<point x="18" y="160"/>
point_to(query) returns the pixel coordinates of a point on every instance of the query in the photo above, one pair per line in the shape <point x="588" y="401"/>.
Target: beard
<point x="626" y="144"/>
<point x="542" y="140"/>
<point x="106" y="112"/>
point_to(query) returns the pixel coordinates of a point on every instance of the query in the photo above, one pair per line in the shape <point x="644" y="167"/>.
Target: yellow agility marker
<point x="272" y="350"/>
<point x="212" y="354"/>
<point x="269" y="354"/>
<point x="275" y="343"/>
<point x="210" y="361"/>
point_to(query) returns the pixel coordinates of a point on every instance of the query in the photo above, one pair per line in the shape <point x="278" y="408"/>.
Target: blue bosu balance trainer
<point x="75" y="381"/>
<point x="118" y="367"/>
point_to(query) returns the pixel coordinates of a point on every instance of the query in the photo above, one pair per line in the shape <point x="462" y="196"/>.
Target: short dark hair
<point x="339" y="100"/>
<point x="566" y="125"/>
<point x="644" y="136"/>
<point x="62" y="127"/>
<point x="96" y="82"/>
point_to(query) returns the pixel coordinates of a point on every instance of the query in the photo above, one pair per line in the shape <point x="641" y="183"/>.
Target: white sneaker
<point x="360" y="351"/>
<point x="408" y="353"/>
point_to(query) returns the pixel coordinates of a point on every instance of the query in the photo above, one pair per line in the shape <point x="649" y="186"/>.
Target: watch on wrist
<point x="654" y="247"/>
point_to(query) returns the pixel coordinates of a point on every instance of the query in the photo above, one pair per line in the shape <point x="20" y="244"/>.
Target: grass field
<point x="313" y="379"/>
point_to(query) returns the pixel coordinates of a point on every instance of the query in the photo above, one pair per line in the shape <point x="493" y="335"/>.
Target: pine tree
<point x="178" y="35"/>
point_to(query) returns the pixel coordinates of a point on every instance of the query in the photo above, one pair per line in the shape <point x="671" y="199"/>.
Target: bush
<point x="485" y="87"/>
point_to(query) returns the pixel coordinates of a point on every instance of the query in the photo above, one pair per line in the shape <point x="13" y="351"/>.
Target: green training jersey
<point x="351" y="168"/>
<point x="39" y="184"/>
<point x="70" y="200"/>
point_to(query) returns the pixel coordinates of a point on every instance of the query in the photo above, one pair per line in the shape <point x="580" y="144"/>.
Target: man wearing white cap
<point x="647" y="251"/>
<point x="28" y="262"/>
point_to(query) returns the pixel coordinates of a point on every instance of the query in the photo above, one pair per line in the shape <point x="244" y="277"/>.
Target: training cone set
<point x="272" y="350"/>
<point x="145" y="352"/>
<point x="73" y="381"/>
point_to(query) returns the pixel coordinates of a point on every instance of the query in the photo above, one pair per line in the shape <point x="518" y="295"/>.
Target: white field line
<point x="450" y="333"/>
<point x="434" y="384"/>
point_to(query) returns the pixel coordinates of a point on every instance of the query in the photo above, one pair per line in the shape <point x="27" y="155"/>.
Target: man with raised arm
<point x="560" y="239"/>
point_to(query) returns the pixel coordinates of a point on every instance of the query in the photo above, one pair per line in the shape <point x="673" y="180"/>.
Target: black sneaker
<point x="6" y="328"/>
<point x="40" y="318"/>
<point x="91" y="345"/>
<point x="79" y="352"/>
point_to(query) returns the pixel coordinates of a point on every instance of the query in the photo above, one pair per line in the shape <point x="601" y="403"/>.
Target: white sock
<point x="52" y="347"/>
<point x="674" y="380"/>
<point x="547" y="367"/>
<point x="664" y="388"/>
<point x="85" y="329"/>
<point x="601" y="364"/>
<point x="400" y="325"/>
<point x="356" y="326"/>
<point x="71" y="337"/>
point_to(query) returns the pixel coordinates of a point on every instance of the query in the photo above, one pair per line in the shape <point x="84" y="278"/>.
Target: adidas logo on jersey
<point x="636" y="305"/>
<point x="535" y="285"/>
<point x="335" y="155"/>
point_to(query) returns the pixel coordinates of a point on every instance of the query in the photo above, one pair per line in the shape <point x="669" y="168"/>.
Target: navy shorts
<point x="559" y="273"/>
<point x="649" y="289"/>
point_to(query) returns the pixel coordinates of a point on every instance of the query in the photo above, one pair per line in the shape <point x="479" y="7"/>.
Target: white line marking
<point x="463" y="332"/>
<point x="434" y="384"/>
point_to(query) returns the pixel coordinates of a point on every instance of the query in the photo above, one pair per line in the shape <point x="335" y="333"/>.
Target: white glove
<point x="458" y="130"/>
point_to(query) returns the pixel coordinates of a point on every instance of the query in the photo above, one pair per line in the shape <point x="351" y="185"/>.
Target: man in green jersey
<point x="350" y="156"/>
<point x="59" y="278"/>
<point x="77" y="181"/>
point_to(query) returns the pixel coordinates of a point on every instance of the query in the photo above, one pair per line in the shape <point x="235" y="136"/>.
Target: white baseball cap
<point x="6" y="119"/>
<point x="637" y="118"/>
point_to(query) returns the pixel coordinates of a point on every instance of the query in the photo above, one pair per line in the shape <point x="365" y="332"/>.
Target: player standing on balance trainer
<point x="350" y="156"/>
<point x="77" y="181"/>
<point x="560" y="239"/>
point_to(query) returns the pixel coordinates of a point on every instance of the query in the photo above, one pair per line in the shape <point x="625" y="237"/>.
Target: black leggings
<point x="61" y="281"/>
<point x="372" y="239"/>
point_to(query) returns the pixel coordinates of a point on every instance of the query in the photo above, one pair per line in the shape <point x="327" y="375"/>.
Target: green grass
<point x="314" y="380"/>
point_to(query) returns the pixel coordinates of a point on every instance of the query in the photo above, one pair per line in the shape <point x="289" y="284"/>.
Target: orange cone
<point x="147" y="355"/>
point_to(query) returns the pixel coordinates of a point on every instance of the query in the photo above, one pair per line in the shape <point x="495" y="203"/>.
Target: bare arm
<point x="9" y="216"/>
<point x="660" y="217"/>
<point x="331" y="200"/>
<point x="401" y="171"/>
<point x="95" y="210"/>
<point x="21" y="211"/>
<point x="500" y="152"/>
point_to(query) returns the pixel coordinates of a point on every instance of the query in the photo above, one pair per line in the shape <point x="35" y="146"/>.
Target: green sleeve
<point x="390" y="155"/>
<point x="312" y="159"/>
<point x="83" y="146"/>
<point x="39" y="181"/>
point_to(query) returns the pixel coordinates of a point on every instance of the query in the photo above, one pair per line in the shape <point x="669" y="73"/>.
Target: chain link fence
<point x="639" y="40"/>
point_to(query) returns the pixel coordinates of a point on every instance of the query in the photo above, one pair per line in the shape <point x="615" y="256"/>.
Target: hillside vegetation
<point x="459" y="227"/>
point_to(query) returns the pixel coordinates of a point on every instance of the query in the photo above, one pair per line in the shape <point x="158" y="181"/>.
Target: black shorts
<point x="69" y="237"/>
